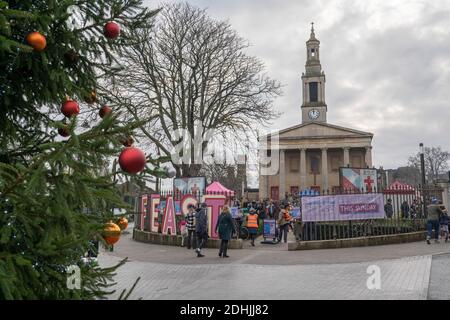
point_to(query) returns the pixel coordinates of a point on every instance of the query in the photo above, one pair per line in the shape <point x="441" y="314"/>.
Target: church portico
<point x="312" y="153"/>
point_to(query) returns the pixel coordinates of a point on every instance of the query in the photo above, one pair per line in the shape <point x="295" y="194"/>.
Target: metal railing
<point x="408" y="215"/>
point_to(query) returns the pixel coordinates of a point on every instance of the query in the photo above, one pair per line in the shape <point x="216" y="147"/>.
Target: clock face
<point x="313" y="114"/>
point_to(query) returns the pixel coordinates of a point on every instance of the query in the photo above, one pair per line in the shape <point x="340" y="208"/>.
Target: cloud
<point x="387" y="64"/>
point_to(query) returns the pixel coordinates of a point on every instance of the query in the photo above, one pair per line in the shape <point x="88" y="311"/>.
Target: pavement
<point x="405" y="271"/>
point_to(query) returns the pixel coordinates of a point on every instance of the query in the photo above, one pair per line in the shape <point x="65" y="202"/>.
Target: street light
<point x="422" y="169"/>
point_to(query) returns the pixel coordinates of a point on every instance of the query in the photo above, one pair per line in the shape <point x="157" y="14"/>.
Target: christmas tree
<point x="56" y="186"/>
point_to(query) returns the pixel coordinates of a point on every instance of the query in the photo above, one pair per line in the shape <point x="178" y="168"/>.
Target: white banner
<point x="343" y="207"/>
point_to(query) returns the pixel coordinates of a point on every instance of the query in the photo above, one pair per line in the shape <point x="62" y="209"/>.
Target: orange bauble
<point x="122" y="223"/>
<point x="91" y="97"/>
<point x="128" y="141"/>
<point x="37" y="41"/>
<point x="111" y="233"/>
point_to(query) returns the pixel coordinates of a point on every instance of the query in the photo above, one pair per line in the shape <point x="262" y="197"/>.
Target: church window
<point x="313" y="52"/>
<point x="313" y="91"/>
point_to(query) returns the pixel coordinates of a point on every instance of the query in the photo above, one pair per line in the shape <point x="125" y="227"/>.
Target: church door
<point x="274" y="193"/>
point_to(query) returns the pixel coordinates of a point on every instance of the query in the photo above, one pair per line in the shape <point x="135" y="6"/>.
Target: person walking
<point x="190" y="226"/>
<point x="201" y="229"/>
<point x="224" y="228"/>
<point x="434" y="214"/>
<point x="252" y="225"/>
<point x="283" y="222"/>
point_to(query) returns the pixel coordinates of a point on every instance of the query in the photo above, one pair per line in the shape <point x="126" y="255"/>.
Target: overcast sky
<point x="387" y="64"/>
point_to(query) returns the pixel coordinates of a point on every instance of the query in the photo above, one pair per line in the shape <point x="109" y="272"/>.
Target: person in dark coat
<point x="405" y="210"/>
<point x="224" y="228"/>
<point x="388" y="209"/>
<point x="201" y="229"/>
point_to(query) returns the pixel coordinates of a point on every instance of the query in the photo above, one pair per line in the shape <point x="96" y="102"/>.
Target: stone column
<point x="324" y="169"/>
<point x="282" y="175"/>
<point x="346" y="156"/>
<point x="369" y="156"/>
<point x="302" y="169"/>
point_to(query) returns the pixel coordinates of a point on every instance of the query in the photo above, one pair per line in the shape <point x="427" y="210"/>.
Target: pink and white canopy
<point x="217" y="187"/>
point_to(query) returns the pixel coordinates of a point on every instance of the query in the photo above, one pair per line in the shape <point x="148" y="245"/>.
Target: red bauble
<point x="132" y="160"/>
<point x="104" y="111"/>
<point x="64" y="132"/>
<point x="111" y="30"/>
<point x="70" y="108"/>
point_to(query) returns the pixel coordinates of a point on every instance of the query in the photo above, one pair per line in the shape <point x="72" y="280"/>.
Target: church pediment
<point x="321" y="130"/>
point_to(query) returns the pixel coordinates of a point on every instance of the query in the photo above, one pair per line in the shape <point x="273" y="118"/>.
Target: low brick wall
<point x="175" y="240"/>
<point x="358" y="242"/>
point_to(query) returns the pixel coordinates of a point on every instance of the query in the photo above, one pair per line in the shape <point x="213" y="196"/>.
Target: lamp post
<point x="422" y="169"/>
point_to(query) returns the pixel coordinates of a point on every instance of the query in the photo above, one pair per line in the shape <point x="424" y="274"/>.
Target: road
<point x="406" y="271"/>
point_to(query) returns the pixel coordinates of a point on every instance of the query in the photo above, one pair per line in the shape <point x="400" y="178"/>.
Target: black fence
<point x="405" y="212"/>
<point x="408" y="212"/>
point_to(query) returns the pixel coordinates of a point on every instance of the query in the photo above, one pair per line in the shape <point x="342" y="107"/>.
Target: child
<point x="443" y="221"/>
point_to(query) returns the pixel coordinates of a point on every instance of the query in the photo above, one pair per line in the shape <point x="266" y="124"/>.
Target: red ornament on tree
<point x="132" y="160"/>
<point x="111" y="30"/>
<point x="70" y="108"/>
<point x="104" y="111"/>
<point x="64" y="132"/>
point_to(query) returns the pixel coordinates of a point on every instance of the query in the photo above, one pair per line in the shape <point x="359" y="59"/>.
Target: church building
<point x="312" y="152"/>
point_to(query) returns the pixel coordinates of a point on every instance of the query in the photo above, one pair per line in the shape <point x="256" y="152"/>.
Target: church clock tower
<point x="314" y="108"/>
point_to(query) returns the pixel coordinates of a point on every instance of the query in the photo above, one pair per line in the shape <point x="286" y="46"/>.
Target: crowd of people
<point x="411" y="210"/>
<point x="252" y="213"/>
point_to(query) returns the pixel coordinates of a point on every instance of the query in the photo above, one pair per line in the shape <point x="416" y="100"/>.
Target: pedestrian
<point x="201" y="229"/>
<point x="261" y="210"/>
<point x="271" y="209"/>
<point x="405" y="210"/>
<point x="388" y="209"/>
<point x="252" y="225"/>
<point x="224" y="228"/>
<point x="283" y="222"/>
<point x="434" y="214"/>
<point x="190" y="226"/>
<point x="443" y="222"/>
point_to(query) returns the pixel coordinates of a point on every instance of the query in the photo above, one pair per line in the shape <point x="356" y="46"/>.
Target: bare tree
<point x="436" y="162"/>
<point x="189" y="70"/>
